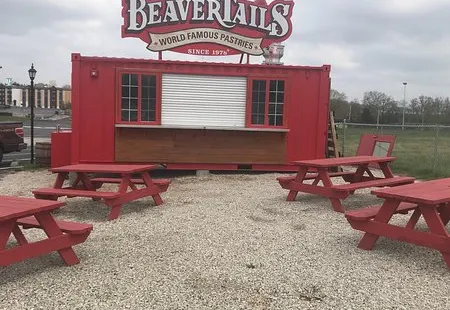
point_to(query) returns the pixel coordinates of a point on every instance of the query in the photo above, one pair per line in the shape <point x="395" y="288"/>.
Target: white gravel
<point x="223" y="242"/>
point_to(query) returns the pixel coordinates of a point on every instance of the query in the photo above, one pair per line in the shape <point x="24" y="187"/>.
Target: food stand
<point x="199" y="115"/>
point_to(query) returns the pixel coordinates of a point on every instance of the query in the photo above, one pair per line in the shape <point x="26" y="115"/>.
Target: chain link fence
<point x="422" y="151"/>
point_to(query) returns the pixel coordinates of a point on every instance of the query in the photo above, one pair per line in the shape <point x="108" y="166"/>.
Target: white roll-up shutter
<point x="203" y="100"/>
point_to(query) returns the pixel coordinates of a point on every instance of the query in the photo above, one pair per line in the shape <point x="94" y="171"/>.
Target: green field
<point x="421" y="153"/>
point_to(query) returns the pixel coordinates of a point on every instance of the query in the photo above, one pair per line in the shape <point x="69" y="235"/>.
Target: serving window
<point x="171" y="100"/>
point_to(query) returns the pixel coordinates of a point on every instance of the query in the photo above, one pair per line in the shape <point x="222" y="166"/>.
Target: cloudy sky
<point x="371" y="44"/>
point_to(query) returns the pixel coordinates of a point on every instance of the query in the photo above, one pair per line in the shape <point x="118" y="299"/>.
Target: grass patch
<point x="33" y="167"/>
<point x="421" y="153"/>
<point x="12" y="118"/>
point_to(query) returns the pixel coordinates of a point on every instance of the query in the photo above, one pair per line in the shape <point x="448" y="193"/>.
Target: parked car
<point x="11" y="138"/>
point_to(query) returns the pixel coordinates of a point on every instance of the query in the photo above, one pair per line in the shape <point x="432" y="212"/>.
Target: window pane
<point x="255" y="96"/>
<point x="125" y="79"/>
<point x="279" y="109"/>
<point x="257" y="119"/>
<point x="262" y="97"/>
<point x="272" y="96"/>
<point x="273" y="86"/>
<point x="152" y="92"/>
<point x="148" y="80"/>
<point x="125" y="91"/>
<point x="259" y="85"/>
<point x="144" y="116"/>
<point x="254" y="106"/>
<point x="279" y="120"/>
<point x="261" y="119"/>
<point x="258" y="102"/>
<point x="276" y="120"/>
<point x="133" y="92"/>
<point x="276" y="103"/>
<point x="133" y="104"/>
<point x="280" y="97"/>
<point x="145" y="104"/>
<point x="145" y="92"/>
<point x="272" y="108"/>
<point x="133" y="115"/>
<point x="134" y="80"/>
<point x="262" y="108"/>
<point x="148" y="98"/>
<point x="151" y="115"/>
<point x="125" y="115"/>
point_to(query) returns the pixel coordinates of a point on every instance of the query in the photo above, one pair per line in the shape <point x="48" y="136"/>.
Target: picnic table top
<point x="428" y="192"/>
<point x="104" y="168"/>
<point x="350" y="160"/>
<point x="17" y="207"/>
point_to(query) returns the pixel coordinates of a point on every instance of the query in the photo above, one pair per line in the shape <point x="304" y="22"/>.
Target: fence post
<point x="343" y="137"/>
<point x="435" y="157"/>
<point x="378" y="119"/>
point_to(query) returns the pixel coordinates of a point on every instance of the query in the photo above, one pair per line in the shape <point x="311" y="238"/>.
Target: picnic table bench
<point x="88" y="186"/>
<point x="25" y="213"/>
<point x="363" y="177"/>
<point x="429" y="199"/>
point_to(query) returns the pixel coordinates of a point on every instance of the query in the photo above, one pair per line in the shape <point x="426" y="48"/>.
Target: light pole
<point x="404" y="104"/>
<point x="32" y="74"/>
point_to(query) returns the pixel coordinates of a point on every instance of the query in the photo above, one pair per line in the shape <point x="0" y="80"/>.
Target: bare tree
<point x="379" y="103"/>
<point x="422" y="106"/>
<point x="339" y="104"/>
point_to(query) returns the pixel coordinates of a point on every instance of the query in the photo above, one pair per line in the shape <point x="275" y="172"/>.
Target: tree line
<point x="378" y="107"/>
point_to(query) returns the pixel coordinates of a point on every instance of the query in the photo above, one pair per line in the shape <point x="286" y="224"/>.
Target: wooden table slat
<point x="350" y="160"/>
<point x="429" y="192"/>
<point x="104" y="168"/>
<point x="17" y="207"/>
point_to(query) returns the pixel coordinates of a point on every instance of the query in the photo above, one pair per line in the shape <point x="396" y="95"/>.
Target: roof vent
<point x="273" y="53"/>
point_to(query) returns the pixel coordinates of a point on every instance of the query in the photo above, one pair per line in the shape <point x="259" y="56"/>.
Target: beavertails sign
<point x="208" y="27"/>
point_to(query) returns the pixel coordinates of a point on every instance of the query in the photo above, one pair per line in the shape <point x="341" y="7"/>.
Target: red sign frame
<point x="207" y="27"/>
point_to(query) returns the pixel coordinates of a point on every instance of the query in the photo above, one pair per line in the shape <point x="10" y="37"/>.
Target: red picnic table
<point x="429" y="199"/>
<point x="17" y="212"/>
<point x="361" y="178"/>
<point x="86" y="186"/>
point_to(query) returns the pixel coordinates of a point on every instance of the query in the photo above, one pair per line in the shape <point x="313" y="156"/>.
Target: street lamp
<point x="404" y="104"/>
<point x="32" y="74"/>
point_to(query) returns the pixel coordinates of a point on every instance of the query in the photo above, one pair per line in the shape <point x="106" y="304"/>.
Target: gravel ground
<point x="223" y="242"/>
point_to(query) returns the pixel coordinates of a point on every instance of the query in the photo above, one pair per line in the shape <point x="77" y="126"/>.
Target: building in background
<point x="45" y="96"/>
<point x="5" y="94"/>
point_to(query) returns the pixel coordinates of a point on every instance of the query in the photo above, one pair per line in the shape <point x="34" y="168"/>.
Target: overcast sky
<point x="370" y="44"/>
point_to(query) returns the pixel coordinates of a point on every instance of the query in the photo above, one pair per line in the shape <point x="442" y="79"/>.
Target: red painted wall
<point x="94" y="102"/>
